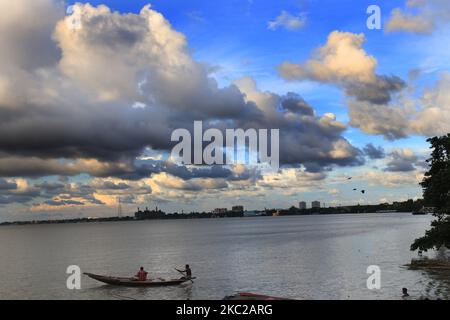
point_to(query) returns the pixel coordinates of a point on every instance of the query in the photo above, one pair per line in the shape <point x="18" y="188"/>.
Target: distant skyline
<point x="86" y="112"/>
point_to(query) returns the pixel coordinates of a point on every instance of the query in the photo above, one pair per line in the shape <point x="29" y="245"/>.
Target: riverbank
<point x="406" y="206"/>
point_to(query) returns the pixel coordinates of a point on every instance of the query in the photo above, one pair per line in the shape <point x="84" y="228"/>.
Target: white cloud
<point x="428" y="115"/>
<point x="287" y="21"/>
<point x="420" y="16"/>
<point x="342" y="61"/>
<point x="400" y="21"/>
<point x="434" y="116"/>
<point x="342" y="58"/>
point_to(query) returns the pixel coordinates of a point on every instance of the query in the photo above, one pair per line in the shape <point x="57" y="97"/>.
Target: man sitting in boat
<point x="141" y="275"/>
<point x="186" y="271"/>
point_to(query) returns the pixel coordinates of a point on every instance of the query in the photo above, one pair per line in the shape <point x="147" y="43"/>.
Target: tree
<point x="436" y="193"/>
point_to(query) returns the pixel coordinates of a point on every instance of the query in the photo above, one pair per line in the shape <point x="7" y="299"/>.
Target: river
<point x="299" y="257"/>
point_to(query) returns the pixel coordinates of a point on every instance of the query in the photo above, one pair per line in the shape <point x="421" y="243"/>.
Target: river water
<point x="300" y="257"/>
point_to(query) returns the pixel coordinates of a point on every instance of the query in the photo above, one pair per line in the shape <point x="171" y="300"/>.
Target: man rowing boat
<point x="186" y="271"/>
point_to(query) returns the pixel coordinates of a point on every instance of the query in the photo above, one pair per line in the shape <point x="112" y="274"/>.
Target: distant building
<point x="220" y="210"/>
<point x="315" y="205"/>
<point x="302" y="205"/>
<point x="149" y="214"/>
<point x="237" y="209"/>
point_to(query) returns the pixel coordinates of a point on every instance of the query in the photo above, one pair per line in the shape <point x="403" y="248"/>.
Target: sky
<point x="89" y="98"/>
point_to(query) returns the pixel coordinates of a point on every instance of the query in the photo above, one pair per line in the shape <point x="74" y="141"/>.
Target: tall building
<point x="302" y="205"/>
<point x="237" y="209"/>
<point x="315" y="204"/>
<point x="149" y="214"/>
<point x="220" y="210"/>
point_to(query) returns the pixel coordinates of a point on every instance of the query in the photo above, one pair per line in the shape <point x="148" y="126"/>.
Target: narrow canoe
<point x="131" y="282"/>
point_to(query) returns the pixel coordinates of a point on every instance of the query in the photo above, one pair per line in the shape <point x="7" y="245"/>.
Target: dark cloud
<point x="15" y="198"/>
<point x="29" y="41"/>
<point x="50" y="186"/>
<point x="374" y="152"/>
<point x="378" y="92"/>
<point x="60" y="203"/>
<point x="305" y="138"/>
<point x="79" y="113"/>
<point x="108" y="185"/>
<point x="381" y="119"/>
<point x="401" y="160"/>
<point x="5" y="185"/>
<point x="295" y="103"/>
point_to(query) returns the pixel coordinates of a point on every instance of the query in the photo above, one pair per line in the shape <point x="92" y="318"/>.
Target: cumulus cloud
<point x="314" y="141"/>
<point x="400" y="21"/>
<point x="401" y="160"/>
<point x="419" y="16"/>
<point x="389" y="121"/>
<point x="433" y="118"/>
<point x="377" y="104"/>
<point x="342" y="61"/>
<point x="16" y="191"/>
<point x="91" y="100"/>
<point x="287" y="21"/>
<point x="29" y="40"/>
<point x="374" y="152"/>
<point x="63" y="193"/>
<point x="427" y="115"/>
<point x="7" y="185"/>
<point x="81" y="104"/>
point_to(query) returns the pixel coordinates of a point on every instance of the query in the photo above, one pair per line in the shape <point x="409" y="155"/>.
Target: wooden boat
<point x="132" y="282"/>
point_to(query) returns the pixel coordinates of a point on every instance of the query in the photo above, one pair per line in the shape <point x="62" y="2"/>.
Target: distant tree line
<point x="401" y="206"/>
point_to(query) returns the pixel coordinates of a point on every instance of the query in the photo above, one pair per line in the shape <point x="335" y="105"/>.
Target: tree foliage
<point x="436" y="193"/>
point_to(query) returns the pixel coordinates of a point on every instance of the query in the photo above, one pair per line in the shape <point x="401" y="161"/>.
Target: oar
<point x="183" y="274"/>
